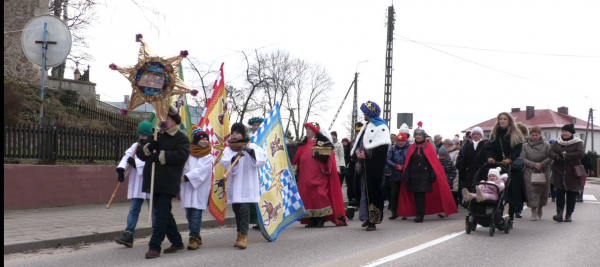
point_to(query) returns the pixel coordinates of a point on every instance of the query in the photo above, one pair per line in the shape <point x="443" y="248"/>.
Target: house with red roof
<point x="551" y="123"/>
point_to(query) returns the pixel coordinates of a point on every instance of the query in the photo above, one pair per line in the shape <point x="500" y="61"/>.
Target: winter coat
<point x="396" y="156"/>
<point x="418" y="174"/>
<point x="174" y="153"/>
<point x="564" y="167"/>
<point x="453" y="152"/>
<point x="451" y="173"/>
<point x="532" y="153"/>
<point x="470" y="162"/>
<point x="338" y="149"/>
<point x="500" y="149"/>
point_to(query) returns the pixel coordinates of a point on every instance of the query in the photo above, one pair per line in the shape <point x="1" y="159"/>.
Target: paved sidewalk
<point x="66" y="226"/>
<point x="52" y="227"/>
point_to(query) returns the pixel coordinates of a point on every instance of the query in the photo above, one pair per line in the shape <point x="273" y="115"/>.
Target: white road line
<point x="592" y="202"/>
<point x="589" y="198"/>
<point x="412" y="250"/>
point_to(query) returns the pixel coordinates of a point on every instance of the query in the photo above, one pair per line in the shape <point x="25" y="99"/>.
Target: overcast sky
<point x="447" y="93"/>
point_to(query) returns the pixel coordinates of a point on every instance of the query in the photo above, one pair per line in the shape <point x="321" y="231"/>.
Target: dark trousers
<point x="242" y="216"/>
<point x="350" y="186"/>
<point x="571" y="199"/>
<point x="165" y="223"/>
<point x="420" y="202"/>
<point x="552" y="191"/>
<point x="387" y="188"/>
<point x="395" y="195"/>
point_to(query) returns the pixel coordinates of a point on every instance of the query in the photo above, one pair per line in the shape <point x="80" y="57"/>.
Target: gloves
<point x="506" y="162"/>
<point x="153" y="145"/>
<point x="155" y="157"/>
<point x="186" y="179"/>
<point x="239" y="155"/>
<point x="250" y="151"/>
<point x="121" y="175"/>
<point x="398" y="167"/>
<point x="131" y="162"/>
<point x="491" y="161"/>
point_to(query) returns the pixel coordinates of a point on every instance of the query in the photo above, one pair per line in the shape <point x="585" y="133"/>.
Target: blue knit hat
<point x="371" y="109"/>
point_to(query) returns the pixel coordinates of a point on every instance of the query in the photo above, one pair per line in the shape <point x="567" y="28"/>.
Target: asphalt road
<point x="395" y="243"/>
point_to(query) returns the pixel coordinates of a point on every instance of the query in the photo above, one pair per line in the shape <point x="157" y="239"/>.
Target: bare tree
<point x="279" y="69"/>
<point x="255" y="76"/>
<point x="202" y="70"/>
<point x="236" y="101"/>
<point x="319" y="83"/>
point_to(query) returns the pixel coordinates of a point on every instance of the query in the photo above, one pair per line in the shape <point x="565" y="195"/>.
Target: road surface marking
<point x="412" y="250"/>
<point x="589" y="198"/>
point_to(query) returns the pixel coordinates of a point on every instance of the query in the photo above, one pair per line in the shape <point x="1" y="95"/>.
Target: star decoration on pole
<point x="154" y="80"/>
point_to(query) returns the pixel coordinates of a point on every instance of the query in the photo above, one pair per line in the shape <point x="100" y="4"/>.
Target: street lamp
<point x="356" y="70"/>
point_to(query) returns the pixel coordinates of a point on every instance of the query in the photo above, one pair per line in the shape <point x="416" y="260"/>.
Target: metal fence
<point x="53" y="143"/>
<point x="122" y="123"/>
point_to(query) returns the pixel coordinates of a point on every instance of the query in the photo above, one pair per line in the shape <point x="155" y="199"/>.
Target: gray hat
<point x="443" y="152"/>
<point x="437" y="137"/>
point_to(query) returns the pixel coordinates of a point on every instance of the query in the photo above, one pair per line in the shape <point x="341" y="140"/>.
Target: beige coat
<point x="532" y="153"/>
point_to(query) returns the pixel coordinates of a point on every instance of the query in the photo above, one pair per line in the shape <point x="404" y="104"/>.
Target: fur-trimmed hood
<point x="373" y="136"/>
<point x="575" y="140"/>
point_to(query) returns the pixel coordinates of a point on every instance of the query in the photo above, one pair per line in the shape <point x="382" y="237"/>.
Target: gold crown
<point x="370" y="106"/>
<point x="358" y="128"/>
<point x="316" y="124"/>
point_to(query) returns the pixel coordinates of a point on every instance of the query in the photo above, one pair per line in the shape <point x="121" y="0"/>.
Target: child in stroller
<point x="487" y="192"/>
<point x="486" y="207"/>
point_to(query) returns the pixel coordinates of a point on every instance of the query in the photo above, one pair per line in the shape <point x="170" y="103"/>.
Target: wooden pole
<point x="233" y="165"/>
<point x="152" y="177"/>
<point x="128" y="171"/>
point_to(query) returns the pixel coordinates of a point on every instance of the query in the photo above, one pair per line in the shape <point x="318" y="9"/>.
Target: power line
<point x="503" y="51"/>
<point x="470" y="61"/>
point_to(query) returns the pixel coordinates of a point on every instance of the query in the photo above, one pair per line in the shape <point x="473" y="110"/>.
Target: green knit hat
<point x="145" y="129"/>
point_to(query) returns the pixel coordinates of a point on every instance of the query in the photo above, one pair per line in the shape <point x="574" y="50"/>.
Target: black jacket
<point x="419" y="175"/>
<point x="471" y="161"/>
<point x="501" y="146"/>
<point x="175" y="151"/>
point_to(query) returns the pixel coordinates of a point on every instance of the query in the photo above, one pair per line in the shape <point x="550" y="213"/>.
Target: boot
<point x="466" y="195"/>
<point x="365" y="224"/>
<point x="534" y="214"/>
<point x="568" y="217"/>
<point x="238" y="240"/>
<point x="152" y="254"/>
<point x="540" y="213"/>
<point x="243" y="242"/>
<point x="172" y="249"/>
<point x="195" y="242"/>
<point x="312" y="223"/>
<point x="320" y="222"/>
<point x="394" y="216"/>
<point x="371" y="227"/>
<point x="559" y="216"/>
<point x="418" y="219"/>
<point x="125" y="240"/>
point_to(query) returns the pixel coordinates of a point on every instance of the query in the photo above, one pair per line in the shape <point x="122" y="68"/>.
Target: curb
<point x="100" y="237"/>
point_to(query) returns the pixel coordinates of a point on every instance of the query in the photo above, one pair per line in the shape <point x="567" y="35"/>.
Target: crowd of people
<point x="412" y="175"/>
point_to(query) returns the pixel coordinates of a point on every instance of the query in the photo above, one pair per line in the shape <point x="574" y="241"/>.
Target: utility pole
<point x="354" y="107"/>
<point x="589" y="122"/>
<point x="387" y="102"/>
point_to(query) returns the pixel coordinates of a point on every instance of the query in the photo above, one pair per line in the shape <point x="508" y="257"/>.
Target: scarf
<point x="378" y="121"/>
<point x="237" y="146"/>
<point x="475" y="144"/>
<point x="198" y="152"/>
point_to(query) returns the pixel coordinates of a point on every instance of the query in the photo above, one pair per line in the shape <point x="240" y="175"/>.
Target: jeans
<point x="242" y="216"/>
<point x="165" y="223"/>
<point x="194" y="217"/>
<point x="134" y="214"/>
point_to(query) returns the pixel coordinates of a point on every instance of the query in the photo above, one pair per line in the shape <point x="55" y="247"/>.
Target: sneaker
<point x="125" y="240"/>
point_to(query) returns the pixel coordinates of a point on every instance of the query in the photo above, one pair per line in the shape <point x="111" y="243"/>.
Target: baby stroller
<point x="488" y="213"/>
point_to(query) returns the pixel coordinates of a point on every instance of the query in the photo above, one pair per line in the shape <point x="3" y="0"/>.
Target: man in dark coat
<point x="371" y="149"/>
<point x="168" y="155"/>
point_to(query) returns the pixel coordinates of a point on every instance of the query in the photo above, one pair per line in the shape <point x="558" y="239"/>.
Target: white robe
<point x="136" y="175"/>
<point x="243" y="184"/>
<point x="195" y="193"/>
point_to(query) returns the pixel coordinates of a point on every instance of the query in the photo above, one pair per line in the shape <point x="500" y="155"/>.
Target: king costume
<point x="373" y="142"/>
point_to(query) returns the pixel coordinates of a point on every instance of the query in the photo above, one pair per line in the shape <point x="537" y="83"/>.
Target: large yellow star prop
<point x="153" y="80"/>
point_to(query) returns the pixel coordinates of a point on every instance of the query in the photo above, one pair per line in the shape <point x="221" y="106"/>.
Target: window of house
<point x="582" y="136"/>
<point x="547" y="135"/>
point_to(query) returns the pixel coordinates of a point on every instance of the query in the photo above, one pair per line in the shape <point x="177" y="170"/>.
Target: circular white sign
<point x="58" y="32"/>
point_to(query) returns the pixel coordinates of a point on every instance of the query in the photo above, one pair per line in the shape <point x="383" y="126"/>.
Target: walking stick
<point x="127" y="170"/>
<point x="233" y="165"/>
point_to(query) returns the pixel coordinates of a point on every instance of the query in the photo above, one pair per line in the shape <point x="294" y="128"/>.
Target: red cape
<point x="335" y="189"/>
<point x="440" y="200"/>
